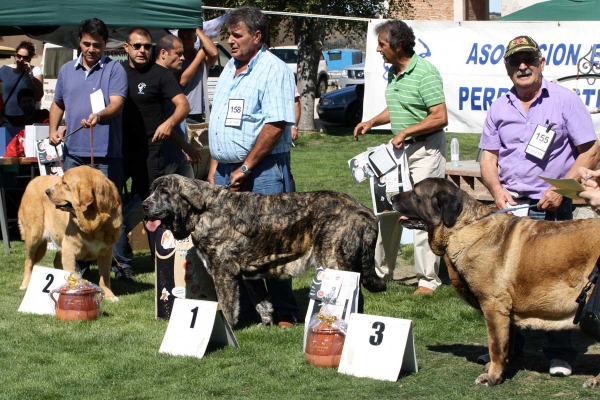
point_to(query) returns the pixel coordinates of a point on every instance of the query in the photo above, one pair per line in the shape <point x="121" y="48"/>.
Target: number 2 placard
<point x="37" y="298"/>
<point x="378" y="347"/>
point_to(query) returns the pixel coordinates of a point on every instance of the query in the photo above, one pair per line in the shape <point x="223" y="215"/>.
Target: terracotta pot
<point x="324" y="346"/>
<point x="77" y="304"/>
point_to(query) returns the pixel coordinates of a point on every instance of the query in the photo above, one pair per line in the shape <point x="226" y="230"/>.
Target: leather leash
<point x="91" y="146"/>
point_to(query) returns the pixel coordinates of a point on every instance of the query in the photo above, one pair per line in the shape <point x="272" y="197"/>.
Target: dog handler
<point x="537" y="128"/>
<point x="250" y="130"/>
<point x="416" y="108"/>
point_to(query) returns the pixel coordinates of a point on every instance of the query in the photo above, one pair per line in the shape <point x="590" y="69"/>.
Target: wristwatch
<point x="245" y="170"/>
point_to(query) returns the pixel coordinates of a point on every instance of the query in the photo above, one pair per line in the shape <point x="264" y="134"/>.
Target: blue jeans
<point x="557" y="344"/>
<point x="271" y="176"/>
<point x="112" y="168"/>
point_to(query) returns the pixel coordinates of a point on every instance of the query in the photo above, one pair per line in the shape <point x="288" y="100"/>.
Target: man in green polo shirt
<point x="416" y="109"/>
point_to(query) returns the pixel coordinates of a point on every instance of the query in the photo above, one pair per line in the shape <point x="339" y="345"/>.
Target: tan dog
<point x="80" y="213"/>
<point x="515" y="270"/>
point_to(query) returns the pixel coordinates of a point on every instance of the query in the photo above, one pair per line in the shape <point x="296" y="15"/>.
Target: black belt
<point x="419" y="138"/>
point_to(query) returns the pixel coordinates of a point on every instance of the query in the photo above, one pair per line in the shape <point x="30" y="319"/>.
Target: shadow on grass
<point x="118" y="287"/>
<point x="532" y="359"/>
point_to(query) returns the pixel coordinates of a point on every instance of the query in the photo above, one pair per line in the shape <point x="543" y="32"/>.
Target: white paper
<point x="97" y="100"/>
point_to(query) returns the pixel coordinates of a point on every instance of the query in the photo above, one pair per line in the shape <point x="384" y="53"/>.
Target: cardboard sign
<point x="378" y="347"/>
<point x="179" y="273"/>
<point x="338" y="289"/>
<point x="43" y="280"/>
<point x="194" y="326"/>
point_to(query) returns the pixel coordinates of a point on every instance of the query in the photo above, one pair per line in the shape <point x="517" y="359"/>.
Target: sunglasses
<point x="516" y="61"/>
<point x="137" y="46"/>
<point x="22" y="57"/>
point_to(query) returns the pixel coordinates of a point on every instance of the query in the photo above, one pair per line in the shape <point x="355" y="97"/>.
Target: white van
<point x="53" y="58"/>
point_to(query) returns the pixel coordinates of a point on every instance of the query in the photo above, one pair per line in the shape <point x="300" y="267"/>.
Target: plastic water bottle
<point x="454" y="152"/>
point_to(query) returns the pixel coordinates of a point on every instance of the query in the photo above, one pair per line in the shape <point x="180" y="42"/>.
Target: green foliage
<point x="116" y="356"/>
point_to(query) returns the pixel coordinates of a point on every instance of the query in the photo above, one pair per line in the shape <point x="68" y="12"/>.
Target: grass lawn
<point x="116" y="356"/>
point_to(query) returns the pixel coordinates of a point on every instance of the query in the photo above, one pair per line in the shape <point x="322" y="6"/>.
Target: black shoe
<point x="125" y="274"/>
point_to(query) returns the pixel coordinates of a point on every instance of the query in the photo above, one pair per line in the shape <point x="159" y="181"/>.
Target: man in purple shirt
<point x="537" y="129"/>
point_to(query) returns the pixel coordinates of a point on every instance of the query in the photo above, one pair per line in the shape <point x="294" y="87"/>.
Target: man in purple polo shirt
<point x="537" y="128"/>
<point x="91" y="72"/>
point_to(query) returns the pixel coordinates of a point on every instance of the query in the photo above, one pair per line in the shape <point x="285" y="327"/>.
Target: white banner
<point x="469" y="56"/>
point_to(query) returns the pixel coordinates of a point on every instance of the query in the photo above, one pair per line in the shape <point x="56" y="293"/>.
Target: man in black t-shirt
<point x="145" y="129"/>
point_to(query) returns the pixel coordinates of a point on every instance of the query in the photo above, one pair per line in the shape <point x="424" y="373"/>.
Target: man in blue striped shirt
<point x="250" y="130"/>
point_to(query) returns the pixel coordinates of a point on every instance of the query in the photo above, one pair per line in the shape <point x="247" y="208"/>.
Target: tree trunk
<point x="309" y="33"/>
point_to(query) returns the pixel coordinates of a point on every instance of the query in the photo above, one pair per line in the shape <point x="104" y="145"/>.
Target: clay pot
<point x="324" y="346"/>
<point x="77" y="304"/>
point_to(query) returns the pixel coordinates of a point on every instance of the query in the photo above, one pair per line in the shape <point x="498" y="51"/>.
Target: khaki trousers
<point x="426" y="159"/>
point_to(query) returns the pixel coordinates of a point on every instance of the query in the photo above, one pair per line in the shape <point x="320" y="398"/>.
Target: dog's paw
<point x="487" y="380"/>
<point x="112" y="299"/>
<point x="592" y="382"/>
<point x="22" y="287"/>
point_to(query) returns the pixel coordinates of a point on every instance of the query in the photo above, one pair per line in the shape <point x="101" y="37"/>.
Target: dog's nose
<point x="48" y="192"/>
<point x="144" y="205"/>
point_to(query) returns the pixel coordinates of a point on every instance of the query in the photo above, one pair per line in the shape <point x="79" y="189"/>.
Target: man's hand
<point x="237" y="177"/>
<point x="589" y="178"/>
<point x="163" y="131"/>
<point x="362" y="128"/>
<point x="501" y="197"/>
<point x="550" y="200"/>
<point x="57" y="136"/>
<point x="398" y="140"/>
<point x="92" y="120"/>
<point x="294" y="132"/>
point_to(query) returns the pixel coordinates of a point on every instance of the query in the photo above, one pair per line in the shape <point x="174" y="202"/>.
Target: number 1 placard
<point x="378" y="347"/>
<point x="195" y="324"/>
<point x="43" y="280"/>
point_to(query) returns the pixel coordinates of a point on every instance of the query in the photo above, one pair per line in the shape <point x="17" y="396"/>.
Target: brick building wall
<point x="443" y="10"/>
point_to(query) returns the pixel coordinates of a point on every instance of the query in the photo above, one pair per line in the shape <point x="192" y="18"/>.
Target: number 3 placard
<point x="194" y="324"/>
<point x="378" y="347"/>
<point x="37" y="298"/>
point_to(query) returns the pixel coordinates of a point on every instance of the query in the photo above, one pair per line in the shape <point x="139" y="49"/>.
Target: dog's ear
<point x="450" y="207"/>
<point x="85" y="193"/>
<point x="192" y="191"/>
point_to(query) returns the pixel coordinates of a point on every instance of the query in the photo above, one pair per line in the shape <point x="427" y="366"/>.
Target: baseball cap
<point x="521" y="43"/>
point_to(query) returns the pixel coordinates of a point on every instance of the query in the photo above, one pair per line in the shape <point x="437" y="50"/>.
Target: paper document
<point x="565" y="187"/>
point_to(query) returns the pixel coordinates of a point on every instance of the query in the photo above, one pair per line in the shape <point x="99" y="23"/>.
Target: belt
<point x="420" y="138"/>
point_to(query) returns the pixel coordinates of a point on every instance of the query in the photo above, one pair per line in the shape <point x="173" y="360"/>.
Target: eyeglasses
<point x="22" y="57"/>
<point x="137" y="46"/>
<point x="516" y="61"/>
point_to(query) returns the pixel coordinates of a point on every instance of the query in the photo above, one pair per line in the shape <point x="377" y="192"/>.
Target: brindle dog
<point x="258" y="236"/>
<point x="515" y="270"/>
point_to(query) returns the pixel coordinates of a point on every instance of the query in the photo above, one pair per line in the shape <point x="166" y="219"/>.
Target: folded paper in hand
<point x="565" y="187"/>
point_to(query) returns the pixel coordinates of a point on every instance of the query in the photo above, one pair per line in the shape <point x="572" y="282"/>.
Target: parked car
<point x="352" y="75"/>
<point x="289" y="55"/>
<point x="342" y="106"/>
<point x="338" y="59"/>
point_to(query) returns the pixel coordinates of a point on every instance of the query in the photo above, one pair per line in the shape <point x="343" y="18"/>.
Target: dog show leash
<point x="507" y="210"/>
<point x="91" y="146"/>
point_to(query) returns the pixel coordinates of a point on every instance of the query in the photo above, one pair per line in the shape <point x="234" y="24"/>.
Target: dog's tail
<point x="368" y="276"/>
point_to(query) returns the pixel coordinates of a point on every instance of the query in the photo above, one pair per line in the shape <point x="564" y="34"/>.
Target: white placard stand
<point x="340" y="289"/>
<point x="43" y="280"/>
<point x="195" y="324"/>
<point x="378" y="347"/>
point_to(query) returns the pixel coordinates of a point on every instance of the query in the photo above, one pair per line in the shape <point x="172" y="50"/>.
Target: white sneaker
<point x="559" y="368"/>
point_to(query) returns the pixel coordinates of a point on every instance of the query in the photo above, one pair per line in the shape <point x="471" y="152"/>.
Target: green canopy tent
<point x="558" y="10"/>
<point x="57" y="21"/>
